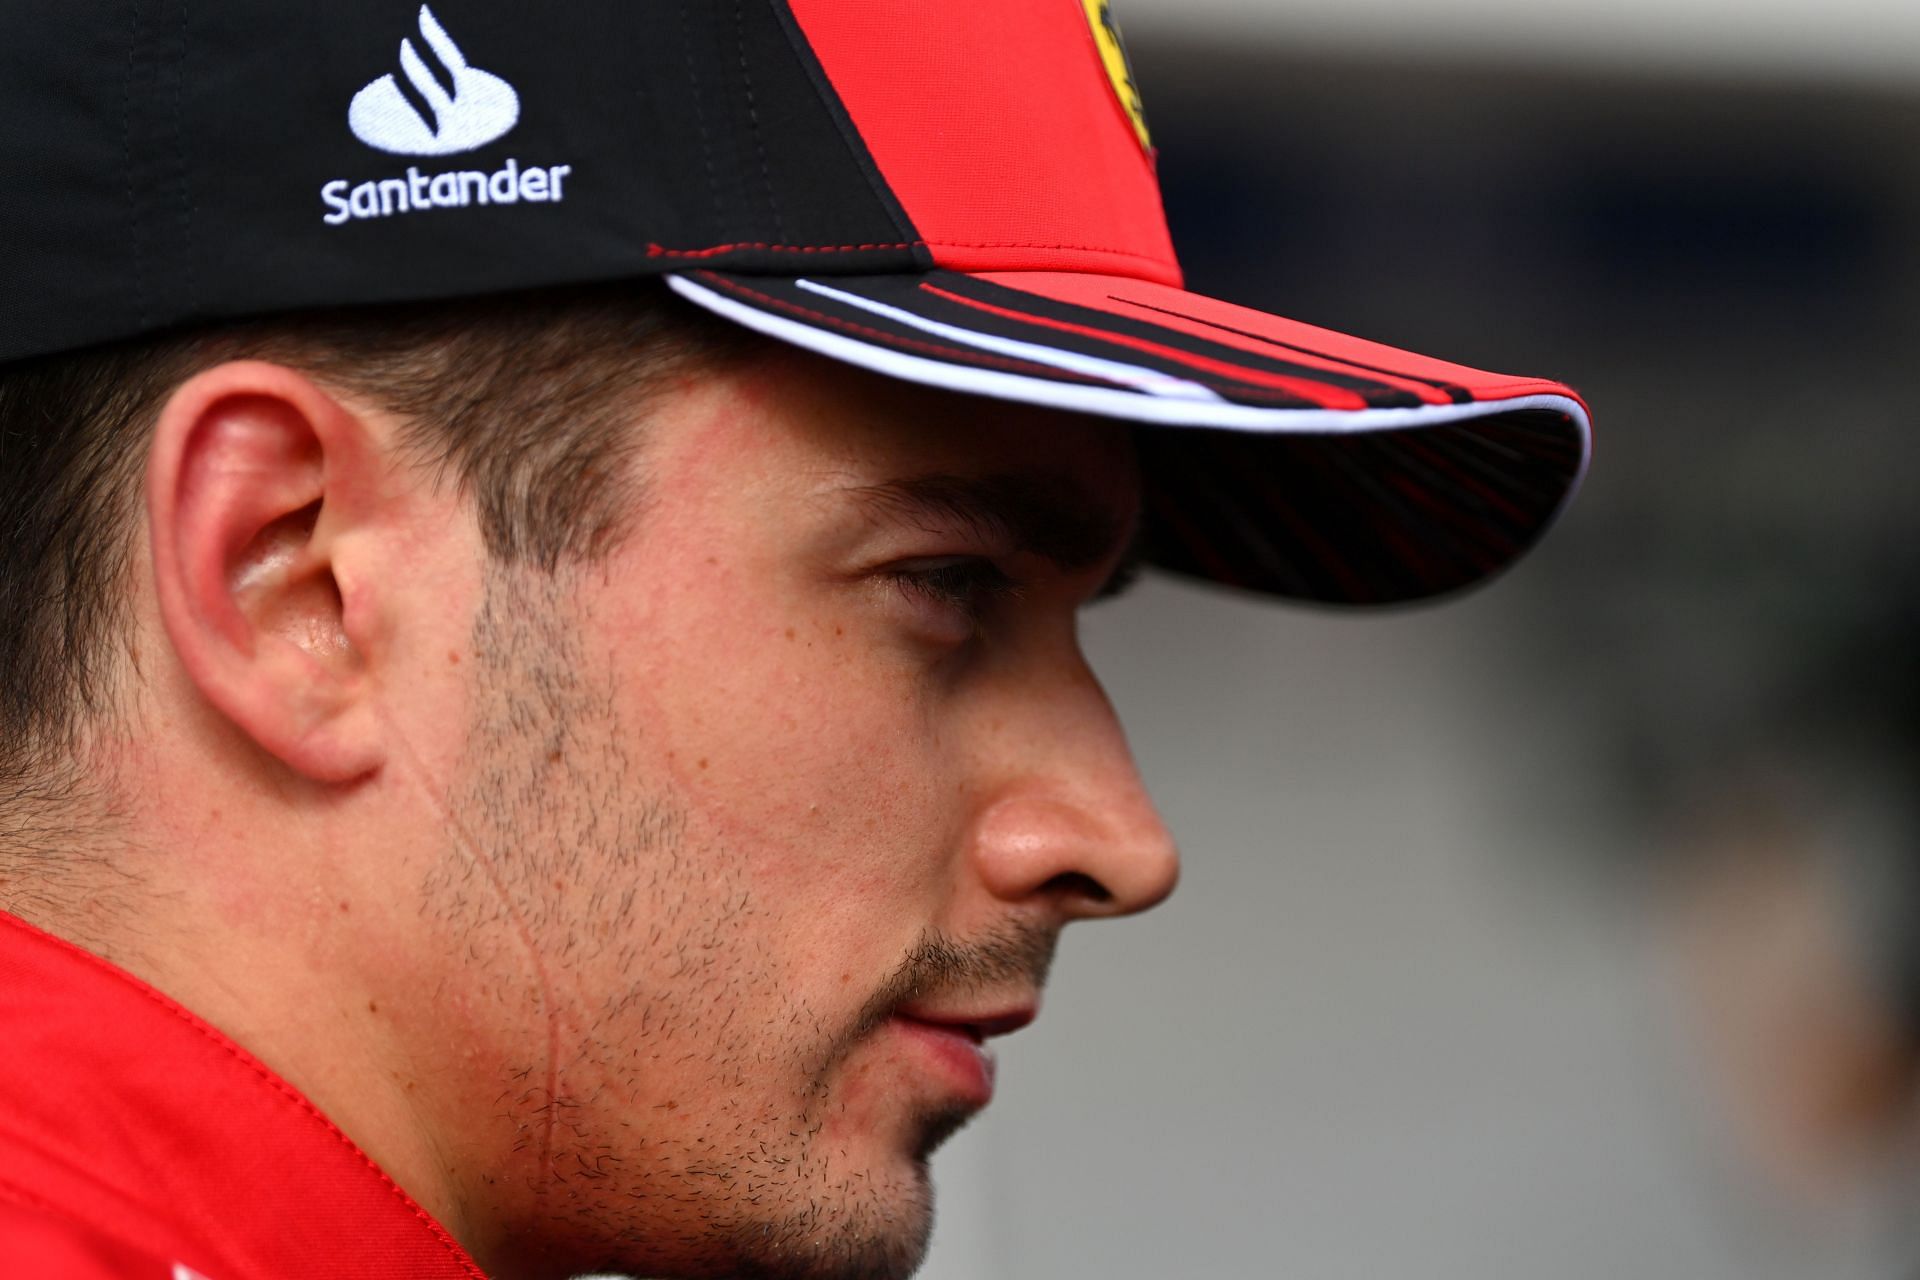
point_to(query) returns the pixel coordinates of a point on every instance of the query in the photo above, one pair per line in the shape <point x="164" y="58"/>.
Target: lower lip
<point x="968" y="1066"/>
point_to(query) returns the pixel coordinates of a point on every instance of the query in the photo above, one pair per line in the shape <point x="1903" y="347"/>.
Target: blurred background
<point x="1571" y="929"/>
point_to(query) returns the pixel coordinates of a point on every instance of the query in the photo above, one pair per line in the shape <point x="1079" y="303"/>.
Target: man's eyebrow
<point x="1051" y="514"/>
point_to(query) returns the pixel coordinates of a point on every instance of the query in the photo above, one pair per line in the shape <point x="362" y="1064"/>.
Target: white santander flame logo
<point x="437" y="121"/>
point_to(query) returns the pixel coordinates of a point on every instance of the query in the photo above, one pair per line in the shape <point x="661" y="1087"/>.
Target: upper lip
<point x="979" y="1023"/>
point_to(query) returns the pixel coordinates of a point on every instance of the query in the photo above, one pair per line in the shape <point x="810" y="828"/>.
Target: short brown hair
<point x="526" y="401"/>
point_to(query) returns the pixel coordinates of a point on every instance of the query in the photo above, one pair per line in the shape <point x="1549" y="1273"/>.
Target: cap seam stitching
<point x="843" y="122"/>
<point x="661" y="251"/>
<point x="133" y="205"/>
<point x="180" y="151"/>
<point x="753" y="118"/>
<point x="699" y="111"/>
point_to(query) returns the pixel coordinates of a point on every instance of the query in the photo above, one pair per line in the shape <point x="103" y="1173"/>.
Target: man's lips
<point x="979" y="1024"/>
<point x="955" y="1042"/>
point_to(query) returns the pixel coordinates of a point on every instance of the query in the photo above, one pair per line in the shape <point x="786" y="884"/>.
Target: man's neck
<point x="286" y="1001"/>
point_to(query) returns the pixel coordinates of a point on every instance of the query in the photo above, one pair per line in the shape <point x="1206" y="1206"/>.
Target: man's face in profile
<point x="763" y="825"/>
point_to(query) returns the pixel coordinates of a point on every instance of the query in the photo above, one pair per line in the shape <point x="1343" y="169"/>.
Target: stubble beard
<point x="880" y="1237"/>
<point x="749" y="1194"/>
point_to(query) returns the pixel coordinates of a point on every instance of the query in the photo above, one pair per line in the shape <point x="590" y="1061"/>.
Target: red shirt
<point x="138" y="1143"/>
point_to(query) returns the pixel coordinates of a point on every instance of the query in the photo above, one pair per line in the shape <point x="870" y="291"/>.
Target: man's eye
<point x="969" y="584"/>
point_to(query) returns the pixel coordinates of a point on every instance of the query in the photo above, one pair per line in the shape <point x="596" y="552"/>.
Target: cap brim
<point x="1303" y="463"/>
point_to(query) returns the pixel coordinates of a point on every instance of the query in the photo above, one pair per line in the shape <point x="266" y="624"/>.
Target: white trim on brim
<point x="1147" y="381"/>
<point x="1109" y="402"/>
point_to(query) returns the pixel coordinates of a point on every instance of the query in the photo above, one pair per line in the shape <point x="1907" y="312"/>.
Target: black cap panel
<point x="228" y="157"/>
<point x="69" y="176"/>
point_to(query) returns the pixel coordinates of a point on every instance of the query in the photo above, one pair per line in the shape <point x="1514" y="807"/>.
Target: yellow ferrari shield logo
<point x="1113" y="52"/>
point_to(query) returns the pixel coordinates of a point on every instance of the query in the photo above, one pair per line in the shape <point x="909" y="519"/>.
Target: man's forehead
<point x="933" y="427"/>
<point x="831" y="432"/>
<point x="1050" y="513"/>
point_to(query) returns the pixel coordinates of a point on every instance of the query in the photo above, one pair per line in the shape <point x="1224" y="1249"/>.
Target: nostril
<point x="1077" y="884"/>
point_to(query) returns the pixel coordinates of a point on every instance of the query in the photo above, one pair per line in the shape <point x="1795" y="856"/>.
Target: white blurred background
<point x="1429" y="1001"/>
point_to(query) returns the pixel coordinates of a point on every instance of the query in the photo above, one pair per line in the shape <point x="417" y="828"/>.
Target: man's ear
<point x="257" y="481"/>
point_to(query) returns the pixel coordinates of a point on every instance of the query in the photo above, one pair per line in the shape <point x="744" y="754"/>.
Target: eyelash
<point x="969" y="584"/>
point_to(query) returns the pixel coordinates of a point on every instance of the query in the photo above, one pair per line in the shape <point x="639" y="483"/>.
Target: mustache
<point x="1018" y="953"/>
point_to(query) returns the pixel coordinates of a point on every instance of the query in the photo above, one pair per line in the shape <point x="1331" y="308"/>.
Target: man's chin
<point x="865" y="1239"/>
<point x="864" y="1214"/>
<point x="939" y="1125"/>
<point x="860" y="1228"/>
<point x="878" y="1237"/>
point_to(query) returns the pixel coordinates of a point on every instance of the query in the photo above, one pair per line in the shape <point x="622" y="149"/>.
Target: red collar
<point x="127" y="1120"/>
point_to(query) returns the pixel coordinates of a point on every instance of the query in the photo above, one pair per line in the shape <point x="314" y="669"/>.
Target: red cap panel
<point x="997" y="126"/>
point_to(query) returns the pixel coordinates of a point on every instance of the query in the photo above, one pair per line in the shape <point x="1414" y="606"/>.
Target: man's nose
<point x="1066" y="816"/>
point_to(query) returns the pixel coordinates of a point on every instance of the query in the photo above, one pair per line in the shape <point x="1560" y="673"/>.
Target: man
<point x="515" y="767"/>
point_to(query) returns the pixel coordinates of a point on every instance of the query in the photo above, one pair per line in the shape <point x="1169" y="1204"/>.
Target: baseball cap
<point x="962" y="195"/>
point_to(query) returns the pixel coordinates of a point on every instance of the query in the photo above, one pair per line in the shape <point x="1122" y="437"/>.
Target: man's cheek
<point x="823" y="781"/>
<point x="861" y="832"/>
